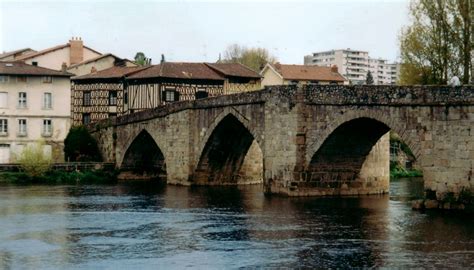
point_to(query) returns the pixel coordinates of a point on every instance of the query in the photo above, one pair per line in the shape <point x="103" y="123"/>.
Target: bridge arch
<point x="143" y="157"/>
<point x="227" y="148"/>
<point x="399" y="128"/>
<point x="352" y="155"/>
<point x="218" y="119"/>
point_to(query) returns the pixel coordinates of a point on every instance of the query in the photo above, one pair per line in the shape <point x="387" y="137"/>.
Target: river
<point x="149" y="226"/>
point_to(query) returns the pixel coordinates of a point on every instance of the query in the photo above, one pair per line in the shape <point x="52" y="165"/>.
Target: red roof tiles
<point x="307" y="73"/>
<point x="110" y="73"/>
<point x="234" y="70"/>
<point x="20" y="68"/>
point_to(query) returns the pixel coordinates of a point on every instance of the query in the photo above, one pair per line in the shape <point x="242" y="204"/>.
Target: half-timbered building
<point x="121" y="90"/>
<point x="99" y="95"/>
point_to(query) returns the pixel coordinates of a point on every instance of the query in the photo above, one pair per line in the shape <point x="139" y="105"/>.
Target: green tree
<point x="79" y="145"/>
<point x="33" y="161"/>
<point x="369" y="79"/>
<point x="254" y="58"/>
<point x="437" y="45"/>
<point x="141" y="59"/>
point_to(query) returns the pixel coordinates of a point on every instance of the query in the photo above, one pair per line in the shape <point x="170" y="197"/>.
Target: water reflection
<point x="152" y="226"/>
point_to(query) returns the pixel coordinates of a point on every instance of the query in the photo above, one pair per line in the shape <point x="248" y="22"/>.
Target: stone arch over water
<point x="341" y="157"/>
<point x="231" y="155"/>
<point x="144" y="158"/>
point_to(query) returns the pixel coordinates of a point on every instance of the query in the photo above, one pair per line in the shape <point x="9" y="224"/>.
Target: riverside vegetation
<point x="36" y="167"/>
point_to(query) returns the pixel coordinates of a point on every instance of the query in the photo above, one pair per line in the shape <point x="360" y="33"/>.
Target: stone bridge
<point x="300" y="141"/>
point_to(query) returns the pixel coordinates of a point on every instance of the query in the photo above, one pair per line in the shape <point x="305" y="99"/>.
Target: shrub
<point x="79" y="145"/>
<point x="33" y="161"/>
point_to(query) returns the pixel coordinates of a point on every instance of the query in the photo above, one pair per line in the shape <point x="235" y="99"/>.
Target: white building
<point x="354" y="65"/>
<point x="55" y="57"/>
<point x="384" y="72"/>
<point x="35" y="104"/>
<point x="279" y="74"/>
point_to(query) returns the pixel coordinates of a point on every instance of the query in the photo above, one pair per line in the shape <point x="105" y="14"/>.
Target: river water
<point x="145" y="226"/>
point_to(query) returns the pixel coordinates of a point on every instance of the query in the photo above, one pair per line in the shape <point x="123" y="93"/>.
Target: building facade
<point x="99" y="95"/>
<point x="279" y="74"/>
<point x="384" y="72"/>
<point x="35" y="105"/>
<point x="61" y="56"/>
<point x="354" y="65"/>
<point x="14" y="55"/>
<point x="99" y="63"/>
<point x="121" y="90"/>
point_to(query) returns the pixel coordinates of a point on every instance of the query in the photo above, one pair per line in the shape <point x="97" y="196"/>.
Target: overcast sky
<point x="199" y="30"/>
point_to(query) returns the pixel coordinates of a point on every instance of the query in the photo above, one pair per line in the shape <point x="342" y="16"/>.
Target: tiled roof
<point x="110" y="73"/>
<point x="234" y="69"/>
<point x="20" y="68"/>
<point x="94" y="59"/>
<point x="199" y="71"/>
<point x="307" y="73"/>
<point x="48" y="50"/>
<point x="6" y="54"/>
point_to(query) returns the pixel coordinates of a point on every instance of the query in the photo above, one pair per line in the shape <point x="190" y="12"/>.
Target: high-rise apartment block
<point x="354" y="65"/>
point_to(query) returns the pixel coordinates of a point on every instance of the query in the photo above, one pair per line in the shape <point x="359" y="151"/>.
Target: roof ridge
<point x="93" y="58"/>
<point x="50" y="49"/>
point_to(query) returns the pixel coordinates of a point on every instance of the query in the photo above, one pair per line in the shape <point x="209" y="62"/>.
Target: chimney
<point x="162" y="59"/>
<point x="63" y="67"/>
<point x="334" y="69"/>
<point x="76" y="54"/>
<point x="278" y="65"/>
<point x="93" y="70"/>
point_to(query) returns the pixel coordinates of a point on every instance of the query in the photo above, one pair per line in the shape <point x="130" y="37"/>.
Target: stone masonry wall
<point x="290" y="124"/>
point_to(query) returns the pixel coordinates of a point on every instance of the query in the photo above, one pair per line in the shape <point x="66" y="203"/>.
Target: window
<point x="47" y="101"/>
<point x="125" y="96"/>
<point x="22" y="79"/>
<point x="87" y="98"/>
<point x="47" y="150"/>
<point x="47" y="127"/>
<point x="47" y="79"/>
<point x="86" y="118"/>
<point x="34" y="63"/>
<point x="3" y="127"/>
<point x="201" y="94"/>
<point x="22" y="129"/>
<point x="4" y="78"/>
<point x="170" y="94"/>
<point x="3" y="99"/>
<point x="112" y="115"/>
<point x="112" y="98"/>
<point x="22" y="100"/>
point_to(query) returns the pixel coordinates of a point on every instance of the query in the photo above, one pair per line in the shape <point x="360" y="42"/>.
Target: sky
<point x="196" y="31"/>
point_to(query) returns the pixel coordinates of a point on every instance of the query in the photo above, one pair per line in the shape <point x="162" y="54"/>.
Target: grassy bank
<point x="61" y="177"/>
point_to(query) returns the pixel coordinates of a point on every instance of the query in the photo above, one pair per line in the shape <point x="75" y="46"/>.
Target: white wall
<point x="34" y="112"/>
<point x="55" y="59"/>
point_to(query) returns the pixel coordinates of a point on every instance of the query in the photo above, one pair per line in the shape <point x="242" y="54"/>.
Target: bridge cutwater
<point x="300" y="140"/>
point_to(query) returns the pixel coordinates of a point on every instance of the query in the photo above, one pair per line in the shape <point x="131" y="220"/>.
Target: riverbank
<point x="397" y="171"/>
<point x="62" y="177"/>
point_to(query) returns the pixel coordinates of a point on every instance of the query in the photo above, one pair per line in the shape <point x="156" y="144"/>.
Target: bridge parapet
<point x="388" y="95"/>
